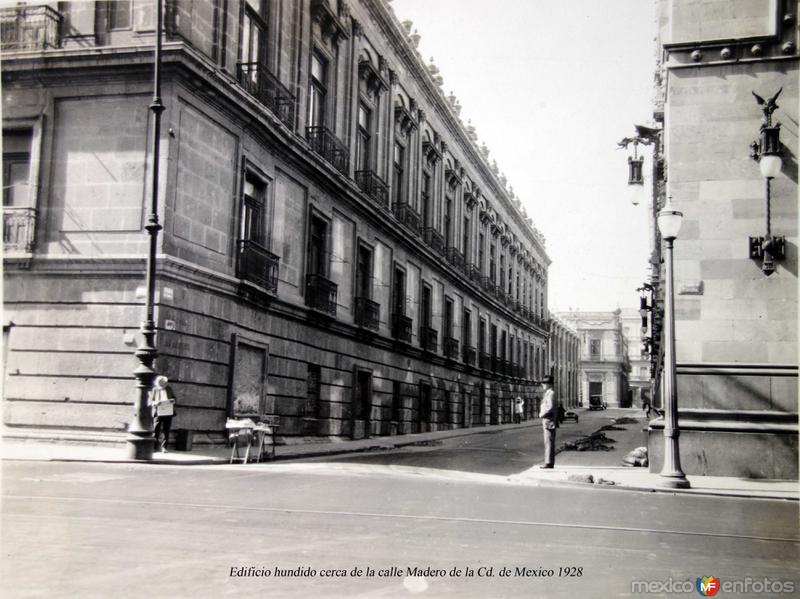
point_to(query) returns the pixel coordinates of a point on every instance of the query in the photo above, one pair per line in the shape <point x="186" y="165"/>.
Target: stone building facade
<point x="336" y="248"/>
<point x="736" y="321"/>
<point x="639" y="385"/>
<point x="604" y="363"/>
<point x="564" y="348"/>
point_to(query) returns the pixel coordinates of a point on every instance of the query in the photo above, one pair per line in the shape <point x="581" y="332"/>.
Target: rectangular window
<point x="427" y="314"/>
<point x="482" y="335"/>
<point x="16" y="167"/>
<point x="318" y="247"/>
<point x="448" y="218"/>
<point x="426" y="199"/>
<point x="448" y="317"/>
<point x="511" y="277"/>
<point x="363" y="139"/>
<point x="466" y="329"/>
<point x="119" y="14"/>
<point x="594" y="347"/>
<point x="318" y="91"/>
<point x="502" y="271"/>
<point x="481" y="253"/>
<point x="364" y="272"/>
<point x="398" y="174"/>
<point x="465" y="239"/>
<point x="493" y="341"/>
<point x="492" y="266"/>
<point x="252" y="222"/>
<point x="399" y="292"/>
<point x="254" y="32"/>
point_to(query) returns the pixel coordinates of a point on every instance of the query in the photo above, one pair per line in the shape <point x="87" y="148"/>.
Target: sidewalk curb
<point x="543" y="482"/>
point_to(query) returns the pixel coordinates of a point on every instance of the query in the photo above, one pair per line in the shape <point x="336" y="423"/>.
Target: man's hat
<point x="548" y="380"/>
<point x="161" y="381"/>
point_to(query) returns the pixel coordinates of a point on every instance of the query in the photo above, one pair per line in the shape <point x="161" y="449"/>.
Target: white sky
<point x="551" y="87"/>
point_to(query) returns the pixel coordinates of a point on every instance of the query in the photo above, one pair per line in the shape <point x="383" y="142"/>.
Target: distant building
<point x="564" y="349"/>
<point x="639" y="359"/>
<point x="337" y="248"/>
<point x="604" y="363"/>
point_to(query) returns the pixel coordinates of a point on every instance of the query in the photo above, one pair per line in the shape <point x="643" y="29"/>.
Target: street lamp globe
<point x="770" y="165"/>
<point x="669" y="221"/>
<point x="635" y="193"/>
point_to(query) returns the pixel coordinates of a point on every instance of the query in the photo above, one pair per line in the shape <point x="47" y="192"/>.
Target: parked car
<point x="596" y="403"/>
<point x="570" y="415"/>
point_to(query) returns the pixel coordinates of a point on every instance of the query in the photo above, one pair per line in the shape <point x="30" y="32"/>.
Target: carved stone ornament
<point x="371" y="76"/>
<point x="432" y="154"/>
<point x="404" y="120"/>
<point x="330" y="23"/>
<point x="453" y="178"/>
<point x="471" y="199"/>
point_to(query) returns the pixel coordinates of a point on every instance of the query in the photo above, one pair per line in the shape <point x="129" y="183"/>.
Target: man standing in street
<point x="548" y="412"/>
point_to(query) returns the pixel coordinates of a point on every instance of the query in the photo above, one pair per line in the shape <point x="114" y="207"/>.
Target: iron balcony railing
<point x="429" y="338"/>
<point x="327" y="145"/>
<point x="455" y="257"/>
<point x="321" y="294"/>
<point x="372" y="185"/>
<point x="29" y="28"/>
<point x="451" y="348"/>
<point x="401" y="327"/>
<point x="368" y="313"/>
<point x="257" y="265"/>
<point x="258" y="81"/>
<point x="487" y="283"/>
<point x="505" y="368"/>
<point x="473" y="272"/>
<point x="485" y="360"/>
<point x="19" y="229"/>
<point x="469" y="356"/>
<point x="433" y="238"/>
<point x="406" y="214"/>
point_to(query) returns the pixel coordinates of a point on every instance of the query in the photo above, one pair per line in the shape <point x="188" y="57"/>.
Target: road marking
<point x="288" y="510"/>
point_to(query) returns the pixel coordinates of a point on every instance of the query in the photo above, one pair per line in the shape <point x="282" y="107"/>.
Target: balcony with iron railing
<point x="19" y="229"/>
<point x="487" y="284"/>
<point x="455" y="257"/>
<point x="505" y="368"/>
<point x="485" y="360"/>
<point x="451" y="348"/>
<point x="321" y="294"/>
<point x="368" y="313"/>
<point x="469" y="355"/>
<point x="433" y="238"/>
<point x="374" y="187"/>
<point x="256" y="264"/>
<point x="429" y="338"/>
<point x="258" y="81"/>
<point x="327" y="145"/>
<point x="406" y="214"/>
<point x="402" y="327"/>
<point x="25" y="27"/>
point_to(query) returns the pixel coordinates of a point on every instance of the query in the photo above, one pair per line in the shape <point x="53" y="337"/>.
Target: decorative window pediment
<point x="332" y="24"/>
<point x="404" y="119"/>
<point x="371" y="77"/>
<point x="431" y="152"/>
<point x="470" y="198"/>
<point x="453" y="177"/>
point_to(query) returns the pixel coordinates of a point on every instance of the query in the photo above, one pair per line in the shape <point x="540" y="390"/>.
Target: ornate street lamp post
<point x="669" y="223"/>
<point x="140" y="431"/>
